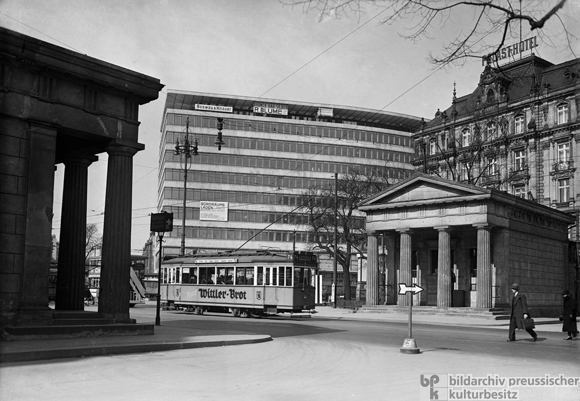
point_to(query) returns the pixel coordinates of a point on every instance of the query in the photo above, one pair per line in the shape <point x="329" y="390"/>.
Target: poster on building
<point x="213" y="211"/>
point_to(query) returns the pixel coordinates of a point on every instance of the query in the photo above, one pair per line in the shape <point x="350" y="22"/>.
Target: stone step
<point x="76" y="315"/>
<point x="81" y="322"/>
<point x="24" y="333"/>
<point x="492" y="313"/>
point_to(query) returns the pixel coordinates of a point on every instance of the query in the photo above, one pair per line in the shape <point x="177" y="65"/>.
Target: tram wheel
<point x="246" y="314"/>
<point x="236" y="312"/>
<point x="198" y="310"/>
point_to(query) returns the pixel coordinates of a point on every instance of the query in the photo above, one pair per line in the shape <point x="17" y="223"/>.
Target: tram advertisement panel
<point x="217" y="294"/>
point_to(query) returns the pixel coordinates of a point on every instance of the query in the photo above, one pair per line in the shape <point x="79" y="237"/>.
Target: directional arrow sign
<point x="415" y="289"/>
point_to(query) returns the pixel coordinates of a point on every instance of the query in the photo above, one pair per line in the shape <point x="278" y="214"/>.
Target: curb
<point x="36" y="355"/>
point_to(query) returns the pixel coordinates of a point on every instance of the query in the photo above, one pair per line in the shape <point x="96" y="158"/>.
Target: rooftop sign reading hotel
<point x="511" y="51"/>
<point x="270" y="108"/>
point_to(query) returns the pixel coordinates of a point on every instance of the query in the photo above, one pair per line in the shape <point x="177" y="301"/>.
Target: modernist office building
<point x="273" y="151"/>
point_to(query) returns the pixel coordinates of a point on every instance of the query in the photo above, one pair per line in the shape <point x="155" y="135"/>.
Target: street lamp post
<point x="189" y="149"/>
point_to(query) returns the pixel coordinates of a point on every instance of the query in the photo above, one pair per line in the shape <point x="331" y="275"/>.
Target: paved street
<point x="309" y="358"/>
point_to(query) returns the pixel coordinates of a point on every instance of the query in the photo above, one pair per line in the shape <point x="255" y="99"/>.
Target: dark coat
<point x="519" y="307"/>
<point x="569" y="315"/>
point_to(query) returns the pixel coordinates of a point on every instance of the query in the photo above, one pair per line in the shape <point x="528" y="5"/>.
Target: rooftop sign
<point x="271" y="108"/>
<point x="211" y="107"/>
<point x="511" y="51"/>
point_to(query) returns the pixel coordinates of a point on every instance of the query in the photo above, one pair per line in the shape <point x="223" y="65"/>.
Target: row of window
<point x="290" y="129"/>
<point x="245" y="234"/>
<point x="218" y="177"/>
<point x="284" y="276"/>
<point x="294" y="147"/>
<point x="251" y="216"/>
<point x="490" y="131"/>
<point x="290" y="164"/>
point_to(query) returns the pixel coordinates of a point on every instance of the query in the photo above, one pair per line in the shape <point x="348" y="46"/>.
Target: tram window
<point x="229" y="275"/>
<point x="221" y="275"/>
<point x="288" y="277"/>
<point x="274" y="276"/>
<point x="206" y="275"/>
<point x="164" y="276"/>
<point x="260" y="276"/>
<point x="178" y="275"/>
<point x="240" y="276"/>
<point x="267" y="276"/>
<point x="192" y="275"/>
<point x="281" y="275"/>
<point x="250" y="276"/>
<point x="185" y="275"/>
<point x="212" y="276"/>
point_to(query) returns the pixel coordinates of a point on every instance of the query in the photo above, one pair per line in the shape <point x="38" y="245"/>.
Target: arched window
<point x="519" y="124"/>
<point x="562" y="113"/>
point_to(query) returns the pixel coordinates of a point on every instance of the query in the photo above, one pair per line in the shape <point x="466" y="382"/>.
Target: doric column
<point x="116" y="257"/>
<point x="405" y="273"/>
<point x="70" y="282"/>
<point x="483" y="267"/>
<point x="372" y="269"/>
<point x="390" y="269"/>
<point x="28" y="201"/>
<point x="444" y="286"/>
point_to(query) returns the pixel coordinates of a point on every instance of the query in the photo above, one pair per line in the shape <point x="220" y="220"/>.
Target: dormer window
<point x="562" y="113"/>
<point x="490" y="96"/>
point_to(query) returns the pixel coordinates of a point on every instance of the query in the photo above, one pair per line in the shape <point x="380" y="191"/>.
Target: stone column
<point x="372" y="269"/>
<point x="116" y="256"/>
<point x="31" y="210"/>
<point x="444" y="285"/>
<point x="483" y="267"/>
<point x="71" y="256"/>
<point x="390" y="270"/>
<point x="405" y="273"/>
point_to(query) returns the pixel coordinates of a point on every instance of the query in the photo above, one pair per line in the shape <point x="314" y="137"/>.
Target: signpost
<point x="160" y="223"/>
<point x="410" y="345"/>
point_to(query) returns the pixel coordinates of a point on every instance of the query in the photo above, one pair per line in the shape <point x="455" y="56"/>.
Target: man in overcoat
<point x="519" y="313"/>
<point x="569" y="315"/>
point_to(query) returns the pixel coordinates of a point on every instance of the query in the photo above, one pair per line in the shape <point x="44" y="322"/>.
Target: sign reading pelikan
<point x="271" y="108"/>
<point x="213" y="211"/>
<point x="211" y="107"/>
<point x="512" y="50"/>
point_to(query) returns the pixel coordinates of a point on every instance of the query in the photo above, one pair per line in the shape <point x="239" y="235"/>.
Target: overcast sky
<point x="252" y="48"/>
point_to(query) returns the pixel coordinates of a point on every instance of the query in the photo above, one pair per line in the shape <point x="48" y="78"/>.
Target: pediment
<point x="424" y="188"/>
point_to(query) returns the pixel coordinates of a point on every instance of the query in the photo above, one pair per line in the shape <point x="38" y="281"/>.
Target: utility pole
<point x="188" y="149"/>
<point x="334" y="267"/>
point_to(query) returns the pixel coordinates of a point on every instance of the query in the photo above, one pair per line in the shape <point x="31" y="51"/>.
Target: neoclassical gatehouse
<point x="465" y="245"/>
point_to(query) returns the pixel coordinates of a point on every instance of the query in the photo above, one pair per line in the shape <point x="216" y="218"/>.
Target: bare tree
<point x="93" y="240"/>
<point x="319" y="204"/>
<point x="498" y="19"/>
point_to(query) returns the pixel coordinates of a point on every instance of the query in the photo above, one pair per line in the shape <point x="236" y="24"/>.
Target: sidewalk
<point x="167" y="337"/>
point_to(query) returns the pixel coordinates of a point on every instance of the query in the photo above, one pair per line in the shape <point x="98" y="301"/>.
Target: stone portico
<point x="465" y="245"/>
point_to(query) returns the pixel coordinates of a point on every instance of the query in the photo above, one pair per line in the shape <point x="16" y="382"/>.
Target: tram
<point x="241" y="283"/>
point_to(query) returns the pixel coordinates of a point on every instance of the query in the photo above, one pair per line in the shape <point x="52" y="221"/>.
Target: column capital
<point x="404" y="230"/>
<point x="81" y="159"/>
<point x="482" y="226"/>
<point x="121" y="146"/>
<point x="443" y="228"/>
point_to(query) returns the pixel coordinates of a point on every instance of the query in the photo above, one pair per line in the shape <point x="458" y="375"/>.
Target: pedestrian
<point x="519" y="313"/>
<point x="568" y="316"/>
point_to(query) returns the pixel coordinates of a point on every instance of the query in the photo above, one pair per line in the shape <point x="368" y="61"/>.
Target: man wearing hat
<point x="569" y="316"/>
<point x="519" y="313"/>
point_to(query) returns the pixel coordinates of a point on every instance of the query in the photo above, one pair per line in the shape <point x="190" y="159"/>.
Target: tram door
<point x="270" y="285"/>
